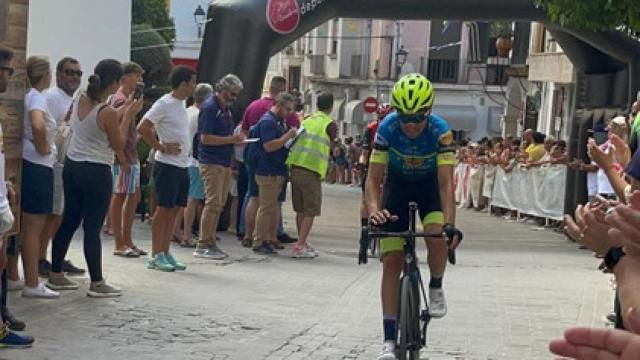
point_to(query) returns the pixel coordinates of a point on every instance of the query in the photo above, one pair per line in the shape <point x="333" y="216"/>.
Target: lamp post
<point x="198" y="17"/>
<point x="401" y="59"/>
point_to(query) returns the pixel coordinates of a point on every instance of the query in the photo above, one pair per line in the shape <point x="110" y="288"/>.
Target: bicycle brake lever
<point x="451" y="253"/>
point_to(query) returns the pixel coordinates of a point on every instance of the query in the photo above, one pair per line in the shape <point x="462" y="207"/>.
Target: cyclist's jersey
<point x="413" y="159"/>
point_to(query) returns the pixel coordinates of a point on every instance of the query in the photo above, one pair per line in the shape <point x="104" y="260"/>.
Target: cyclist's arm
<point x="377" y="167"/>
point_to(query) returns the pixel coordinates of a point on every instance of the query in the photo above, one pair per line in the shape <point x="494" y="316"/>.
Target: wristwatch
<point x="613" y="256"/>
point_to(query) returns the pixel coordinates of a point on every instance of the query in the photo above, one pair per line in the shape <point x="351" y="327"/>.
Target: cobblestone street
<point x="514" y="289"/>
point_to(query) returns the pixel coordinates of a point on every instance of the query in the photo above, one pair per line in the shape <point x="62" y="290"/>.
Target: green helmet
<point x="412" y="93"/>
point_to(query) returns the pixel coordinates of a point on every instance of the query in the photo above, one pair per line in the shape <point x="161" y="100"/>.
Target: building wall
<point x="13" y="34"/>
<point x="89" y="30"/>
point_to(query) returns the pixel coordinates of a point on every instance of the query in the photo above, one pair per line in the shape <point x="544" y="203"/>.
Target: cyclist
<point x="363" y="164"/>
<point x="415" y="148"/>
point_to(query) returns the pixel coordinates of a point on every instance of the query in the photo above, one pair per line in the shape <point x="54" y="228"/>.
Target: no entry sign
<point x="370" y="105"/>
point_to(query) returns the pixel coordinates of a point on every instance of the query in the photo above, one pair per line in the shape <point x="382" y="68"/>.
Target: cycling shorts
<point x="397" y="195"/>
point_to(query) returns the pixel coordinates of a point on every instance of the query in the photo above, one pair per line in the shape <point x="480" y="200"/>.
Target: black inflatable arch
<point x="242" y="35"/>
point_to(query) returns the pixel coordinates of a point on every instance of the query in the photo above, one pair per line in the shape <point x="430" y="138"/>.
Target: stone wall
<point x="13" y="33"/>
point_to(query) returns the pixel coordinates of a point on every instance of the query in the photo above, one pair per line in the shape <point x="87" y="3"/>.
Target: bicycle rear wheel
<point x="408" y="320"/>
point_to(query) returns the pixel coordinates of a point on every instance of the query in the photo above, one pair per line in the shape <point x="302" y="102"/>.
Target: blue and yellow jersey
<point x="413" y="159"/>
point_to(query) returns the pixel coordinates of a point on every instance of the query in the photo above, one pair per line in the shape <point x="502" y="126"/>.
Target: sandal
<point x="139" y="251"/>
<point x="128" y="252"/>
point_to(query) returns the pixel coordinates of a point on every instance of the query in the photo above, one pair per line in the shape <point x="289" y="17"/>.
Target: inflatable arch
<point x="242" y="35"/>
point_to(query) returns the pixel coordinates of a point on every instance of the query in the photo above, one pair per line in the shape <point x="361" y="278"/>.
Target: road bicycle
<point x="413" y="307"/>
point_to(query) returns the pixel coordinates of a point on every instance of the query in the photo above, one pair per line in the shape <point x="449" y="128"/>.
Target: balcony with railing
<point x="443" y="70"/>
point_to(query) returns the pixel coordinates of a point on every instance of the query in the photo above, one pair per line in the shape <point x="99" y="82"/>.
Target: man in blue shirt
<point x="271" y="170"/>
<point x="215" y="148"/>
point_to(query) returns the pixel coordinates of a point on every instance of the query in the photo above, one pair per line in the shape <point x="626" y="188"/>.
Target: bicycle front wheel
<point x="408" y="320"/>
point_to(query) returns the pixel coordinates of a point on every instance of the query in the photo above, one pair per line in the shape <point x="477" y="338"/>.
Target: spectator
<point x="549" y="142"/>
<point x="340" y="156"/>
<point x="126" y="184"/>
<point x="308" y="170"/>
<point x="216" y="140"/>
<point x="559" y="153"/>
<point x="87" y="176"/>
<point x="536" y="151"/>
<point x="617" y="126"/>
<point x="271" y="170"/>
<point x="38" y="158"/>
<point x="59" y="97"/>
<point x="196" y="186"/>
<point x="353" y="155"/>
<point x="252" y="115"/>
<point x="527" y="139"/>
<point x="168" y="117"/>
<point x="8" y="339"/>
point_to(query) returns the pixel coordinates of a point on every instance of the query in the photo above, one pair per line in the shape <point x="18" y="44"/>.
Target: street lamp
<point x="198" y="17"/>
<point x="401" y="59"/>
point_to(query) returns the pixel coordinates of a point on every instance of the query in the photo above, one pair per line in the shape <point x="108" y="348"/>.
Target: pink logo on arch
<point x="283" y="16"/>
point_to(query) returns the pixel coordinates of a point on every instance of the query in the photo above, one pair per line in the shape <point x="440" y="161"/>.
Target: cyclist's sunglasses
<point x="414" y="118"/>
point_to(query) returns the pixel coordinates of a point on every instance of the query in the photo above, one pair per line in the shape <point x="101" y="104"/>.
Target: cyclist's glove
<point x="451" y="231"/>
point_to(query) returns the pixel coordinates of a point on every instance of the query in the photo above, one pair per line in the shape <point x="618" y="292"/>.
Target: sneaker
<point x="13" y="323"/>
<point x="299" y="252"/>
<point x="44" y="268"/>
<point x="246" y="243"/>
<point x="265" y="249"/>
<point x="70" y="269"/>
<point x="286" y="239"/>
<point x="62" y="283"/>
<point x="312" y="250"/>
<point x="437" y="303"/>
<point x="103" y="290"/>
<point x="212" y="253"/>
<point x="176" y="264"/>
<point x="40" y="291"/>
<point x="388" y="351"/>
<point x="161" y="263"/>
<point x="201" y="250"/>
<point x="13" y="285"/>
<point x="11" y="340"/>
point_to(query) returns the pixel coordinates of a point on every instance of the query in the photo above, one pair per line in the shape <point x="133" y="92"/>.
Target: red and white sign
<point x="283" y="16"/>
<point x="370" y="105"/>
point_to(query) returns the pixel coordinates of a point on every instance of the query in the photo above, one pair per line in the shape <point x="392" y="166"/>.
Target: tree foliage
<point x="595" y="15"/>
<point x="149" y="49"/>
<point x="155" y="13"/>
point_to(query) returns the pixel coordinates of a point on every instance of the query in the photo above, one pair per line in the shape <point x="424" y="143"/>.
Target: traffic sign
<point x="370" y="105"/>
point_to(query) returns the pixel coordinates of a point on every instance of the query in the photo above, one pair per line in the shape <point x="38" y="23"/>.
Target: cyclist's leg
<point x="392" y="259"/>
<point x="433" y="220"/>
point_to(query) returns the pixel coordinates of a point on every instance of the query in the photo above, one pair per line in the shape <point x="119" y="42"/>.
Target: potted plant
<point x="503" y="32"/>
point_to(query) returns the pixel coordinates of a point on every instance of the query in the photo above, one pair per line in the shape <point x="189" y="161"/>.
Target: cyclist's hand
<point x="453" y="235"/>
<point x="381" y="217"/>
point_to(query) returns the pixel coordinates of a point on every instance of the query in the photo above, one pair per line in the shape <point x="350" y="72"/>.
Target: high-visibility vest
<point x="311" y="150"/>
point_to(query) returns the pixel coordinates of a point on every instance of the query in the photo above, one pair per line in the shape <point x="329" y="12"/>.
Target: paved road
<point x="513" y="290"/>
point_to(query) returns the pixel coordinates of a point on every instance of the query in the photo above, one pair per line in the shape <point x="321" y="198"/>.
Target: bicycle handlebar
<point x="403" y="234"/>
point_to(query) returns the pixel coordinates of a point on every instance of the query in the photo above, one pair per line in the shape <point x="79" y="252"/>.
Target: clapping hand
<point x="590" y="228"/>
<point x="625" y="225"/>
<point x="603" y="159"/>
<point x="590" y="344"/>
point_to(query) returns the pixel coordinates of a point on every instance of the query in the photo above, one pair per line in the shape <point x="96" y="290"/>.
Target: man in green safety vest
<point x="308" y="162"/>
